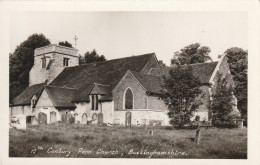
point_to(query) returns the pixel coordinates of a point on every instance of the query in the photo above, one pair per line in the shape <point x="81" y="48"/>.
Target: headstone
<point x="19" y="122"/>
<point x="53" y="117"/>
<point x="240" y="123"/>
<point x="34" y="120"/>
<point x="42" y="118"/>
<point x="197" y="137"/>
<point x="100" y="118"/>
<point x="128" y="119"/>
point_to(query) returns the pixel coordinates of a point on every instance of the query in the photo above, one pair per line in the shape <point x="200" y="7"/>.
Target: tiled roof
<point x="151" y="83"/>
<point x="108" y="73"/>
<point x="61" y="97"/>
<point x="25" y="97"/>
<point x="203" y="71"/>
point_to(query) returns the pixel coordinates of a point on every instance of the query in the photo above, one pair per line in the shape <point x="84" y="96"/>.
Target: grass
<point x="93" y="141"/>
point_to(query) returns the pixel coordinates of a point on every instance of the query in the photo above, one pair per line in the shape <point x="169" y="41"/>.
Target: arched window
<point x="129" y="99"/>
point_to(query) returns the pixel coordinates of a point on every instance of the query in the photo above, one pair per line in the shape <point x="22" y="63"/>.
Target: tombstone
<point x="53" y="117"/>
<point x="19" y="122"/>
<point x="84" y="118"/>
<point x="197" y="137"/>
<point x="94" y="119"/>
<point x="128" y="118"/>
<point x="100" y="118"/>
<point x="28" y="119"/>
<point x="240" y="123"/>
<point x="63" y="118"/>
<point x="34" y="121"/>
<point x="42" y="118"/>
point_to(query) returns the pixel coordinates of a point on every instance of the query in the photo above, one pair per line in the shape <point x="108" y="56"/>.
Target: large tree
<point x="181" y="91"/>
<point x="90" y="57"/>
<point x="238" y="63"/>
<point x="191" y="54"/>
<point x="21" y="62"/>
<point x="222" y="102"/>
<point x="65" y="43"/>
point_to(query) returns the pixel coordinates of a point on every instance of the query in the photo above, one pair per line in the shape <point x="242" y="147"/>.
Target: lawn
<point x="91" y="141"/>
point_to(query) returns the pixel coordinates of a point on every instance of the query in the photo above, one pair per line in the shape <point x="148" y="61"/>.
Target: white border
<point x="250" y="6"/>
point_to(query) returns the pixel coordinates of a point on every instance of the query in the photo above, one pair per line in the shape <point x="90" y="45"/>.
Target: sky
<point x="122" y="34"/>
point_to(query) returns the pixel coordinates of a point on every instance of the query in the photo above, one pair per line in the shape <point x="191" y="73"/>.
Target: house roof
<point x="151" y="83"/>
<point x="25" y="97"/>
<point x="61" y="97"/>
<point x="107" y="72"/>
<point x="203" y="71"/>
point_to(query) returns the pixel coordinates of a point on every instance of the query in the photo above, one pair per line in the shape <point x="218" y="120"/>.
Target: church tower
<point x="49" y="62"/>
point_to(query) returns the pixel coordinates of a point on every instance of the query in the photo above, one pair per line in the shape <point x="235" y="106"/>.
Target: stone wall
<point x="154" y="102"/>
<point x="139" y="93"/>
<point x="142" y="117"/>
<point x="54" y="63"/>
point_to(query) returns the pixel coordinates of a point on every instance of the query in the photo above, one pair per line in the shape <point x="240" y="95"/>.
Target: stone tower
<point x="49" y="62"/>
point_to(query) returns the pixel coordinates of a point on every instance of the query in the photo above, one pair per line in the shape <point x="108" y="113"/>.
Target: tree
<point x="162" y="64"/>
<point x="21" y="62"/>
<point x="222" y="102"/>
<point x="238" y="64"/>
<point x="180" y="93"/>
<point x="90" y="57"/>
<point x="191" y="54"/>
<point x="65" y="43"/>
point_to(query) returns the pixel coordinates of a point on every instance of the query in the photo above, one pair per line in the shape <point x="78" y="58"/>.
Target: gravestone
<point x="100" y="118"/>
<point x="19" y="122"/>
<point x="84" y="118"/>
<point x="42" y="118"/>
<point x="197" y="137"/>
<point x="128" y="119"/>
<point x="34" y="121"/>
<point x="53" y="117"/>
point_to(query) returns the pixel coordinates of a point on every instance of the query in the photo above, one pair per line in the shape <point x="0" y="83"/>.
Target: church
<point x="120" y="91"/>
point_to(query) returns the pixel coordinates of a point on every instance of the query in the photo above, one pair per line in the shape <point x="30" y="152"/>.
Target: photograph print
<point x="128" y="84"/>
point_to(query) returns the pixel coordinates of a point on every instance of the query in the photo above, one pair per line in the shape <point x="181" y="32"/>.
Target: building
<point x="121" y="91"/>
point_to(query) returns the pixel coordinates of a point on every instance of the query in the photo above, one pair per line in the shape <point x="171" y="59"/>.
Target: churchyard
<point x="93" y="141"/>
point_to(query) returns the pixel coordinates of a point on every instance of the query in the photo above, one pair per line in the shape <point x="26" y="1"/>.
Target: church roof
<point x="152" y="84"/>
<point x="203" y="71"/>
<point x="61" y="97"/>
<point x="107" y="72"/>
<point x="25" y="97"/>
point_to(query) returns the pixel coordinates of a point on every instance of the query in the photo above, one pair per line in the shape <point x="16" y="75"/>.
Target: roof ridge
<point x="59" y="87"/>
<point x="194" y="64"/>
<point x="115" y="59"/>
<point x="101" y="84"/>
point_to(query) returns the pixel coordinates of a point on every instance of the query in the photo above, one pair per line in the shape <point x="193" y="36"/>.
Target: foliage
<point x="180" y="94"/>
<point x="191" y="54"/>
<point x="65" y="43"/>
<point x="90" y="57"/>
<point x="21" y="62"/>
<point x="238" y="64"/>
<point x="222" y="102"/>
<point x="161" y="64"/>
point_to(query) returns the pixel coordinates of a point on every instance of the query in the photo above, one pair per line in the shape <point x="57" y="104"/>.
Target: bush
<point x="229" y="123"/>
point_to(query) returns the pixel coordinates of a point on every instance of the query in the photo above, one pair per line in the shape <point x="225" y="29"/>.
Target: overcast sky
<point x="121" y="34"/>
